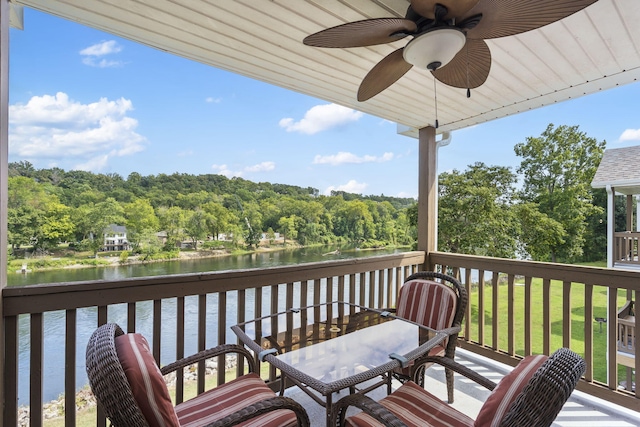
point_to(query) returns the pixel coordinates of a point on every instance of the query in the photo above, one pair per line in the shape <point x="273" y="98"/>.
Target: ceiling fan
<point x="448" y="37"/>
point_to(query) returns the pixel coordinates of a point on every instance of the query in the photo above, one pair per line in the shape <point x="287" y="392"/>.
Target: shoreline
<point x="114" y="261"/>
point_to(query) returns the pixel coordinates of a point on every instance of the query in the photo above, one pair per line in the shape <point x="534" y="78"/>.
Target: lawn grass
<point x="555" y="301"/>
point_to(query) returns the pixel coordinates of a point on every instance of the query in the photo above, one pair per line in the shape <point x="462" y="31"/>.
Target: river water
<point x="54" y="322"/>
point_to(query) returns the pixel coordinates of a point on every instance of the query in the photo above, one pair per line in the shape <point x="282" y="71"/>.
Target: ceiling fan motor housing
<point x="438" y="45"/>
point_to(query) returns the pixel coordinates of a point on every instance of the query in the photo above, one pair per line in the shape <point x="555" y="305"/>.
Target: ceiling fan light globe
<point x="438" y="45"/>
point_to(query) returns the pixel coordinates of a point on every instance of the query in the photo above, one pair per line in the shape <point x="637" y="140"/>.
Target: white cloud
<point x="350" y="187"/>
<point x="212" y="100"/>
<point x="345" y="157"/>
<point x="224" y="170"/>
<point x="57" y="128"/>
<point x="320" y="118"/>
<point x="630" y="135"/>
<point x="93" y="54"/>
<point x="96" y="163"/>
<point x="261" y="167"/>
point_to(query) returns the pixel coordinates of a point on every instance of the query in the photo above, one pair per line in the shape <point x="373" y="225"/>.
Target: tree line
<point x="47" y="207"/>
<point x="544" y="210"/>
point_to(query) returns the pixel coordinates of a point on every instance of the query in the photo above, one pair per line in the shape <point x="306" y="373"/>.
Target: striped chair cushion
<point x="229" y="398"/>
<point x="146" y="381"/>
<point x="428" y="303"/>
<point x="416" y="407"/>
<point x="498" y="403"/>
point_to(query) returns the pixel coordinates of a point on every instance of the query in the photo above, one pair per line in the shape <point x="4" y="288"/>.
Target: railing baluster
<point x="131" y="317"/>
<point x="10" y="412"/>
<point x="467" y="315"/>
<point x="352" y="288"/>
<point x="380" y="285"/>
<point x="180" y="321"/>
<point x="566" y="314"/>
<point x="527" y="316"/>
<point x="637" y="359"/>
<point x="157" y="329"/>
<point x="612" y="326"/>
<point x="35" y="370"/>
<point x="257" y="312"/>
<point x="588" y="331"/>
<point x="202" y="340"/>
<point x="481" y="307"/>
<point x="396" y="291"/>
<point x="363" y="289"/>
<point x="222" y="335"/>
<point x="341" y="286"/>
<point x="274" y="325"/>
<point x="390" y="297"/>
<point x="495" y="308"/>
<point x="102" y="319"/>
<point x="546" y="316"/>
<point x="372" y="289"/>
<point x="70" y="369"/>
<point x="511" y="329"/>
<point x="240" y="315"/>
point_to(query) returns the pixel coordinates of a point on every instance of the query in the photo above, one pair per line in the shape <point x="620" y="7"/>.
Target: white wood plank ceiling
<point x="592" y="50"/>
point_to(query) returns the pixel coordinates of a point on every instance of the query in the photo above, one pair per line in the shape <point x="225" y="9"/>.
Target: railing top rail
<point x="618" y="278"/>
<point x="627" y="233"/>
<point x="62" y="296"/>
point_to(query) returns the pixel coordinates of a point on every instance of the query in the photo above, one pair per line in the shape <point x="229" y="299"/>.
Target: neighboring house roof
<point x="619" y="168"/>
<point x="113" y="228"/>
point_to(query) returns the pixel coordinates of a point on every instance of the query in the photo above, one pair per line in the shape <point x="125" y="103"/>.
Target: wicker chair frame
<point x="538" y="404"/>
<point x="111" y="388"/>
<point x="418" y="369"/>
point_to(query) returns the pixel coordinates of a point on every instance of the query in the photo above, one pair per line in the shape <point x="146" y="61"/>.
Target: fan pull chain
<point x="468" y="90"/>
<point x="435" y="99"/>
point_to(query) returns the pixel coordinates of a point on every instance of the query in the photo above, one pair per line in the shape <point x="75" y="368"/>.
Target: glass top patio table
<point x="332" y="346"/>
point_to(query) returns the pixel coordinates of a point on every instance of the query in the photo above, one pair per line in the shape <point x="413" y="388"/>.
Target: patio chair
<point x="130" y="387"/>
<point x="438" y="301"/>
<point x="532" y="394"/>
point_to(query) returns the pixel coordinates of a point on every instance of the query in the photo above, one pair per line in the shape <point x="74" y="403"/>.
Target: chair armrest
<point x="368" y="406"/>
<point x="209" y="353"/>
<point x="456" y="367"/>
<point x="263" y="407"/>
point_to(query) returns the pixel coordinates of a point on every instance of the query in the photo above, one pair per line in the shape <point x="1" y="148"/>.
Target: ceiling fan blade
<point x="469" y="68"/>
<point x="501" y="18"/>
<point x="456" y="8"/>
<point x="368" y="32"/>
<point x="383" y="75"/>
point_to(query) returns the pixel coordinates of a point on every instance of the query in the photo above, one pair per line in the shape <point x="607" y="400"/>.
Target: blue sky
<point x="84" y="99"/>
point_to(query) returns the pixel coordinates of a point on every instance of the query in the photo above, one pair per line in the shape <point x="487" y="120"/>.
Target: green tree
<point x="219" y="219"/>
<point x="474" y="215"/>
<point x="172" y="221"/>
<point x="355" y="222"/>
<point x="140" y="219"/>
<point x="287" y="226"/>
<point x="56" y="226"/>
<point x="196" y="226"/>
<point x="558" y="167"/>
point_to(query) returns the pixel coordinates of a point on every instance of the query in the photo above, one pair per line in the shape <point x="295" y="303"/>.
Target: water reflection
<point x="86" y="319"/>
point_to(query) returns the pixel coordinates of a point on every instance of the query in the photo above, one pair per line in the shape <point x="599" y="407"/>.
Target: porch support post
<point x="427" y="193"/>
<point x="4" y="166"/>
<point x="629" y="212"/>
<point x="611" y="224"/>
